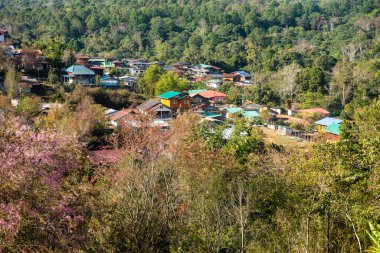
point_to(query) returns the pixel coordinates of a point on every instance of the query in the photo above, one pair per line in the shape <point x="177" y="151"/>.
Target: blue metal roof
<point x="243" y="73"/>
<point x="80" y="70"/>
<point x="328" y="121"/>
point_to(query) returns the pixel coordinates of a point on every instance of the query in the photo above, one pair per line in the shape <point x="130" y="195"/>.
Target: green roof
<point x="334" y="129"/>
<point x="212" y="115"/>
<point x="205" y="66"/>
<point x="80" y="70"/>
<point x="191" y="92"/>
<point x="107" y="64"/>
<point x="251" y="114"/>
<point x="169" y="94"/>
<point x="234" y="110"/>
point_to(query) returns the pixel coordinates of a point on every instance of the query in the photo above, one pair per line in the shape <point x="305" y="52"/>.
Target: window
<point x="186" y="102"/>
<point x="175" y="101"/>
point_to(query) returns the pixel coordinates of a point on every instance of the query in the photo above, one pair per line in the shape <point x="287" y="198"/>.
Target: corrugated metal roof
<point x="234" y="109"/>
<point x="243" y="73"/>
<point x="251" y="114"/>
<point x="328" y="121"/>
<point x="147" y="105"/>
<point x="211" y="94"/>
<point x="191" y="92"/>
<point x="333" y="129"/>
<point x="169" y="94"/>
<point x="80" y="70"/>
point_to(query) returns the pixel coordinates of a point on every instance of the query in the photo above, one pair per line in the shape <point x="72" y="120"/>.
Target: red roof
<point x="211" y="94"/>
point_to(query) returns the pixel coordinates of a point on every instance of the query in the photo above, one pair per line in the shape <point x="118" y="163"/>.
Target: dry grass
<point x="272" y="136"/>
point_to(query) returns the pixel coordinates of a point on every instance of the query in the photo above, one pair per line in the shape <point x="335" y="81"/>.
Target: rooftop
<point x="194" y="92"/>
<point x="169" y="94"/>
<point x="147" y="105"/>
<point x="211" y="94"/>
<point x="328" y="121"/>
<point x="251" y="114"/>
<point x="333" y="129"/>
<point x="80" y="70"/>
<point x="234" y="110"/>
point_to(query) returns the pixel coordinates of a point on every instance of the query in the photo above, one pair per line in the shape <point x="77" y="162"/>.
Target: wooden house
<point x="244" y="76"/>
<point x="79" y="74"/>
<point x="213" y="96"/>
<point x="156" y="109"/>
<point x="233" y="77"/>
<point x="81" y="59"/>
<point x="175" y="100"/>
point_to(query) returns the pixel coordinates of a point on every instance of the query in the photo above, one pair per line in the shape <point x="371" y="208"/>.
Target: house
<point x="30" y="60"/>
<point x="251" y="115"/>
<point x="332" y="132"/>
<point x="97" y="61"/>
<point x="291" y="112"/>
<point x="175" y="100"/>
<point x="213" y="96"/>
<point x="107" y="66"/>
<point x="244" y="76"/>
<point x="129" y="82"/>
<point x="204" y="70"/>
<point x="196" y="99"/>
<point x="181" y="68"/>
<point x="79" y="74"/>
<point x="158" y="110"/>
<point x="214" y="83"/>
<point x="283" y="130"/>
<point x="99" y="71"/>
<point x="81" y="59"/>
<point x="233" y="77"/>
<point x="4" y="36"/>
<point x="26" y="84"/>
<point x="321" y="124"/>
<point x="138" y="67"/>
<point x="109" y="82"/>
<point x="252" y="107"/>
<point x="135" y="71"/>
<point x="121" y="116"/>
<point x="232" y="111"/>
<point x="118" y="64"/>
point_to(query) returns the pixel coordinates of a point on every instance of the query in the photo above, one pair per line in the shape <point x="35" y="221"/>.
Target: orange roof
<point x="211" y="94"/>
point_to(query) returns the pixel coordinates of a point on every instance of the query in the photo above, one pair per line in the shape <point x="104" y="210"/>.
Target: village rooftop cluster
<point x="209" y="103"/>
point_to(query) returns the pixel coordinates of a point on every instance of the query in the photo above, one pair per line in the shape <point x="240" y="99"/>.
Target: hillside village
<point x="305" y="125"/>
<point x="302" y="125"/>
<point x="190" y="126"/>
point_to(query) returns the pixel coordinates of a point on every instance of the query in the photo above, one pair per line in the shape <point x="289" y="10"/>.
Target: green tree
<point x="151" y="76"/>
<point x="52" y="77"/>
<point x="170" y="81"/>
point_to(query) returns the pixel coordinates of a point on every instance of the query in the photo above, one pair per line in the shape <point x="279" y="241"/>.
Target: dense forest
<point x="323" y="53"/>
<point x="70" y="182"/>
